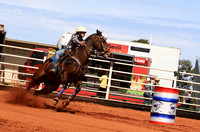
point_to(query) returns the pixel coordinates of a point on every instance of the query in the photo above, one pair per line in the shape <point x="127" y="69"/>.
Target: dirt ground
<point x="22" y="112"/>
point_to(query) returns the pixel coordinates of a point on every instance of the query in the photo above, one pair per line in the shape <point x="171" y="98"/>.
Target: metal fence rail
<point x="91" y="88"/>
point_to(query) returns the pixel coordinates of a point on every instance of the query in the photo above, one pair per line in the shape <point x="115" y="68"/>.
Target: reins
<point x="95" y="51"/>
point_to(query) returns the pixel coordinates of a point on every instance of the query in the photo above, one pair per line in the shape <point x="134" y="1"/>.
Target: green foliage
<point x="135" y="92"/>
<point x="184" y="66"/>
<point x="144" y="41"/>
<point x="132" y="92"/>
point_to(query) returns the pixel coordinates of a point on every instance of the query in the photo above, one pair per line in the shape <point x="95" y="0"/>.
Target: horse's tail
<point x="37" y="77"/>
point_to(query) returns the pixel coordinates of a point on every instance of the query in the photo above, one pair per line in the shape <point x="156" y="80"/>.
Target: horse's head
<point x="101" y="45"/>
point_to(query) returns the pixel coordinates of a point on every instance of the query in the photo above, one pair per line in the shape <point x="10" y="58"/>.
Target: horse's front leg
<point x="67" y="101"/>
<point x="57" y="98"/>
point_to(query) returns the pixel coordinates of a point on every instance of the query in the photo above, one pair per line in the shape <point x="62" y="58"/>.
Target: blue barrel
<point x="163" y="110"/>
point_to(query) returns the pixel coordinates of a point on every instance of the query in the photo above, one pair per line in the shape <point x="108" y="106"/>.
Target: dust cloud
<point x="21" y="96"/>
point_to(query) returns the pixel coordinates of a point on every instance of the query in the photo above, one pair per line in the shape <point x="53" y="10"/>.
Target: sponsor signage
<point x="118" y="48"/>
<point x="139" y="79"/>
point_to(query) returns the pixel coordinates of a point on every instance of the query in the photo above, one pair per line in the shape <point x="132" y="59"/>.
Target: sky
<point x="171" y="23"/>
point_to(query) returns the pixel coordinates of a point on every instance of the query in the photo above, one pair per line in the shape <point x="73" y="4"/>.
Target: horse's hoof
<point x="65" y="103"/>
<point x="55" y="101"/>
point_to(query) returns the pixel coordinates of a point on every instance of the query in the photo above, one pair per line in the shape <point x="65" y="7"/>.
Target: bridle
<point x="103" y="47"/>
<point x="97" y="53"/>
<point x="101" y="43"/>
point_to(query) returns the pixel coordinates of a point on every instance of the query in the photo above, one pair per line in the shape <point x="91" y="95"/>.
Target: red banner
<point x="139" y="70"/>
<point x="118" y="48"/>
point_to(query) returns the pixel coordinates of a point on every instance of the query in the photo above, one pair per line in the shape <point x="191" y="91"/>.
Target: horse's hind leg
<point x="49" y="87"/>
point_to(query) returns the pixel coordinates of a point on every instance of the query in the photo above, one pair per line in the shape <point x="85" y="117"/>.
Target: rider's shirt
<point x="74" y="42"/>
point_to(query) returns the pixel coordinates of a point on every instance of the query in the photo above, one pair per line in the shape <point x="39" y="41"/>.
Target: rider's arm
<point x="82" y="43"/>
<point x="76" y="40"/>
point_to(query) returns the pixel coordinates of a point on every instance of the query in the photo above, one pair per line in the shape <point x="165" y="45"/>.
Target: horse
<point x="72" y="69"/>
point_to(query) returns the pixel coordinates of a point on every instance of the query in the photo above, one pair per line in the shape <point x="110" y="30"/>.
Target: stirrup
<point x="55" y="101"/>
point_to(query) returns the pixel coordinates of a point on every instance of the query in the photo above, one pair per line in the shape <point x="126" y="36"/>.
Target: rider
<point x="74" y="43"/>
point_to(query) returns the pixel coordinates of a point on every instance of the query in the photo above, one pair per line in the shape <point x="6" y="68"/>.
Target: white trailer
<point x="164" y="58"/>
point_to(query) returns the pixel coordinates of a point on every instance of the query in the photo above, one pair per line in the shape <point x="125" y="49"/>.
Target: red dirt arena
<point x="21" y="112"/>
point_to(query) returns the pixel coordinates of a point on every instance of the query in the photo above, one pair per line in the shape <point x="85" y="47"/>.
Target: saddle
<point x="67" y="57"/>
<point x="60" y="60"/>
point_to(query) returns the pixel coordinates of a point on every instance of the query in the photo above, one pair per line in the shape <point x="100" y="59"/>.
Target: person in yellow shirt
<point x="103" y="80"/>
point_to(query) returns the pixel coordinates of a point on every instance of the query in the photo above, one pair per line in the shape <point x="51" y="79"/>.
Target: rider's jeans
<point x="56" y="57"/>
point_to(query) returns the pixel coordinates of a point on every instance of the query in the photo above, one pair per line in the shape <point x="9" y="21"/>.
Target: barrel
<point x="163" y="110"/>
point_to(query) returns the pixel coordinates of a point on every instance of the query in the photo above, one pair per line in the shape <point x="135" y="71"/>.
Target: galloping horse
<point x="72" y="68"/>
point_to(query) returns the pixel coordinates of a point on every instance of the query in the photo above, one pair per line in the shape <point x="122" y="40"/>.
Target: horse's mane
<point x="90" y="36"/>
<point x="97" y="33"/>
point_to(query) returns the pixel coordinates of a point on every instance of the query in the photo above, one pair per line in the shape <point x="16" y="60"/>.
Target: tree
<point x="184" y="66"/>
<point x="144" y="41"/>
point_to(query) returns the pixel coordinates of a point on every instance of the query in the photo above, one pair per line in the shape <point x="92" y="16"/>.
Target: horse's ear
<point x="99" y="33"/>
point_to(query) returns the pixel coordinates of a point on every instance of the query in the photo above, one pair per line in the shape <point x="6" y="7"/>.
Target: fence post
<point x="175" y="82"/>
<point x="44" y="59"/>
<point x="109" y="79"/>
<point x="175" y="79"/>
